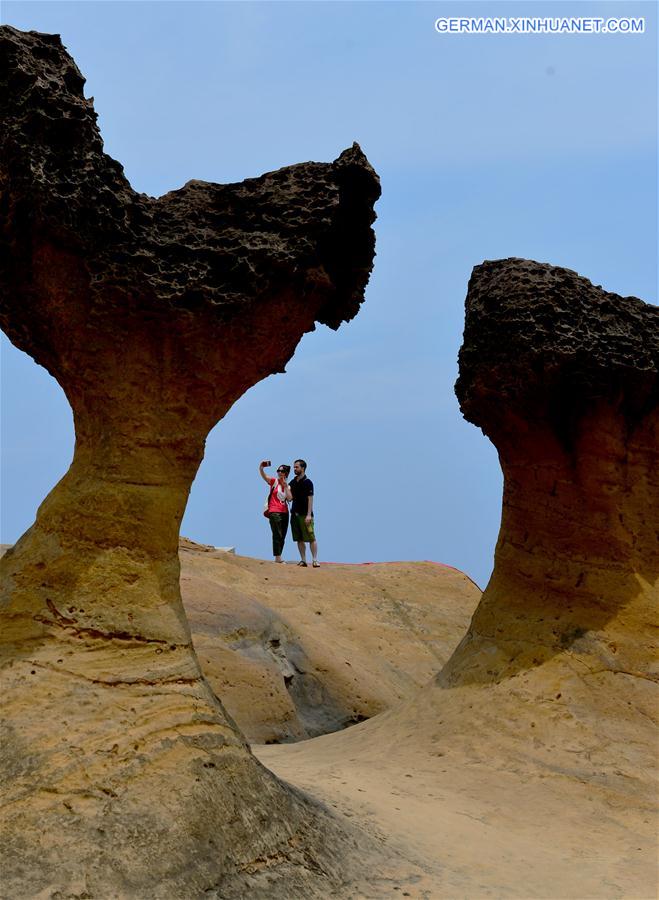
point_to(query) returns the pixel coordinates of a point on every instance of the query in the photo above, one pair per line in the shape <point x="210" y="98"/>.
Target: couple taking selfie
<point x="299" y="492"/>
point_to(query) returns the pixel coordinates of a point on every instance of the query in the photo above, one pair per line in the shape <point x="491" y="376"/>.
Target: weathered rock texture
<point x="527" y="768"/>
<point x="121" y="773"/>
<point x="295" y="653"/>
<point x="563" y="377"/>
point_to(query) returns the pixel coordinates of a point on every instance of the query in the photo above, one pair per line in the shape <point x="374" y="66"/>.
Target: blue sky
<point x="540" y="146"/>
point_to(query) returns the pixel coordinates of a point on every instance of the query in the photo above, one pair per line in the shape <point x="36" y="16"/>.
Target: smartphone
<point x="267" y="462"/>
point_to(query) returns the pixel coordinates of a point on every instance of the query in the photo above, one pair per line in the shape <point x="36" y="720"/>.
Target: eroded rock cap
<point x="543" y="342"/>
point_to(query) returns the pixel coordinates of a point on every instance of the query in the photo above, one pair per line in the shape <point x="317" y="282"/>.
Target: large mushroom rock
<point x="121" y="772"/>
<point x="563" y="378"/>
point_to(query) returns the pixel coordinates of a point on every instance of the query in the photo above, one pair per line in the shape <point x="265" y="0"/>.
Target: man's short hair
<point x="302" y="463"/>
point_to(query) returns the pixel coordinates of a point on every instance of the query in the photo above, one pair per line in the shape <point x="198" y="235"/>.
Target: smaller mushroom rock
<point x="563" y="378"/>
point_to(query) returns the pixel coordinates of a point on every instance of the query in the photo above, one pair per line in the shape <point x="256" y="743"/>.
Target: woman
<point x="277" y="506"/>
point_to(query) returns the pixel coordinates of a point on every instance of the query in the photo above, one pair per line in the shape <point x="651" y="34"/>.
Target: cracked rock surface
<point x="122" y="775"/>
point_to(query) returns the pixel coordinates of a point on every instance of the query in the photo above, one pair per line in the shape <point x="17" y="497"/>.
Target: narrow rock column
<point x="101" y="561"/>
<point x="120" y="772"/>
<point x="563" y="378"/>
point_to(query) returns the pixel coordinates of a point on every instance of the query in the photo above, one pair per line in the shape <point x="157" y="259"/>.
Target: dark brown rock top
<point x="543" y="342"/>
<point x="208" y="248"/>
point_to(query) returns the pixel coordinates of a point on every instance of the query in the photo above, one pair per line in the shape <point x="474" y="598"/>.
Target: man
<point x="302" y="513"/>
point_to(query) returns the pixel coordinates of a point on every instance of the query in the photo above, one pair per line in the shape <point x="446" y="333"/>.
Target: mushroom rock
<point x="539" y="734"/>
<point x="562" y="376"/>
<point x="121" y="772"/>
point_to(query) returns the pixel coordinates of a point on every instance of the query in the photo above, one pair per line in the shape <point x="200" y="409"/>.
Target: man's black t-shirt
<point x="301" y="491"/>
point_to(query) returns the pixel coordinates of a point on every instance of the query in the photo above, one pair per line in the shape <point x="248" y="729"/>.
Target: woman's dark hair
<point x="287" y="469"/>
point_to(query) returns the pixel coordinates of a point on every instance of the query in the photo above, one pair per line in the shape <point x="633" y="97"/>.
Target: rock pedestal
<point x="121" y="773"/>
<point x="563" y="377"/>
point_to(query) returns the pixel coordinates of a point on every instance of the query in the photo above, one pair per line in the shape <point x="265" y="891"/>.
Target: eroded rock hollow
<point x="121" y="774"/>
<point x="563" y="377"/>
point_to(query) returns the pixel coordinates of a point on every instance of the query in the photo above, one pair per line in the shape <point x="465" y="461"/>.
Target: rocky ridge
<point x="296" y="653"/>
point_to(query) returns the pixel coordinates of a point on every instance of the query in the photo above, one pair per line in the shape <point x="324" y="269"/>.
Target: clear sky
<point x="488" y="146"/>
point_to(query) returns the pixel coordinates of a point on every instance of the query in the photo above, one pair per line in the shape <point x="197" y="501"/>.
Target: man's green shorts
<point x="300" y="530"/>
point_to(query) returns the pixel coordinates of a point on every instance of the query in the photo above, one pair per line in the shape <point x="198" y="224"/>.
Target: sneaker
<point x="316" y="564"/>
<point x="303" y="564"/>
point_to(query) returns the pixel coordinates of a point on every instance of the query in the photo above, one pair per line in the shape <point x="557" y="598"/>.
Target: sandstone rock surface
<point x="121" y="774"/>
<point x="524" y="769"/>
<point x="563" y="377"/>
<point x="295" y="653"/>
<point x="528" y="767"/>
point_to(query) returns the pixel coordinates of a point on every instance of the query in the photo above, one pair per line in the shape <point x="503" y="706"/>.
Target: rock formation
<point x="527" y="768"/>
<point x="563" y="377"/>
<point x="293" y="657"/>
<point x="121" y="773"/>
